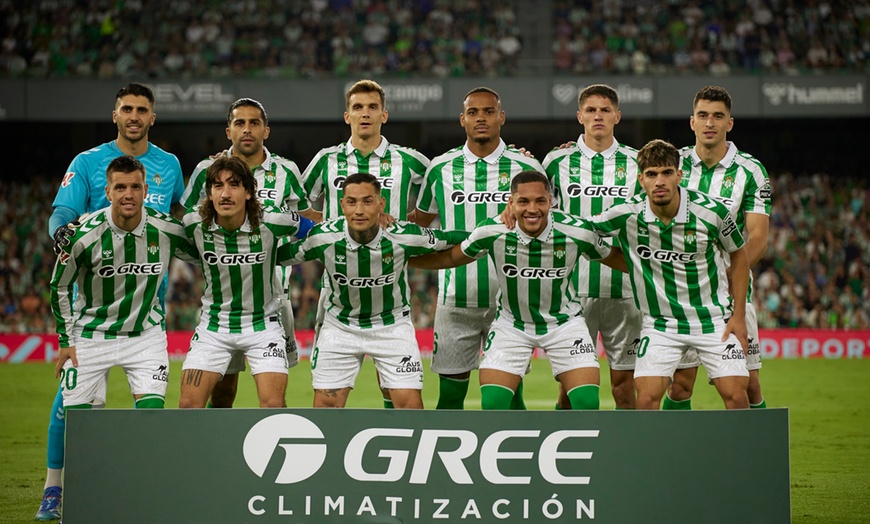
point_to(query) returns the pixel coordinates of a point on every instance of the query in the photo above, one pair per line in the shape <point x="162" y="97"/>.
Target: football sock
<point x="584" y="397"/>
<point x="56" y="430"/>
<point x="53" y="477"/>
<point x="388" y="403"/>
<point x="494" y="396"/>
<point x="452" y="393"/>
<point x="517" y="401"/>
<point x="623" y="409"/>
<point x="208" y="405"/>
<point x="150" y="402"/>
<point x="559" y="406"/>
<point x="760" y="405"/>
<point x="676" y="405"/>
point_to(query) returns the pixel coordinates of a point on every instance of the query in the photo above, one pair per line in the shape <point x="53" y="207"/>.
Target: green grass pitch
<point x="828" y="401"/>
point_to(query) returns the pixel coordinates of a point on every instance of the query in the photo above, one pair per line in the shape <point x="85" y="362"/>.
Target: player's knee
<point x="679" y="391"/>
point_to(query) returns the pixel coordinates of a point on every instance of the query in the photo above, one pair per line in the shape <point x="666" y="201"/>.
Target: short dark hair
<point x="658" y="153"/>
<point x="602" y="90"/>
<point x="135" y="90"/>
<point x="240" y="172"/>
<point x="713" y="94"/>
<point x="247" y="102"/>
<point x="482" y="89"/>
<point x="124" y="164"/>
<point x="529" y="176"/>
<point x="366" y="86"/>
<point x="362" y="178"/>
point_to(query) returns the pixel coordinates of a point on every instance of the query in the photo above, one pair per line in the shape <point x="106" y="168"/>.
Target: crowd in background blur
<point x="441" y="38"/>
<point x="716" y="37"/>
<point x="814" y="274"/>
<point x="258" y="38"/>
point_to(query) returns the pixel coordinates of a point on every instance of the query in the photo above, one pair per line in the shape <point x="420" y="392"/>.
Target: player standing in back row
<point x="399" y="169"/>
<point x="463" y="187"/>
<point x="590" y="177"/>
<point x="83" y="190"/>
<point x="716" y="167"/>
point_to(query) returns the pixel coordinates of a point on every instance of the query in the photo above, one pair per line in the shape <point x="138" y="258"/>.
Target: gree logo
<point x="663" y="255"/>
<point x="380" y="281"/>
<point x="480" y="197"/>
<point x="512" y="271"/>
<point x="131" y="269"/>
<point x="576" y="190"/>
<point x="301" y="460"/>
<point x="234" y="259"/>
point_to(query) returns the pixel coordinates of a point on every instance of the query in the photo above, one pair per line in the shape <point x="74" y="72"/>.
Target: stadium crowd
<point x="719" y="38"/>
<point x="814" y="274"/>
<point x="256" y="38"/>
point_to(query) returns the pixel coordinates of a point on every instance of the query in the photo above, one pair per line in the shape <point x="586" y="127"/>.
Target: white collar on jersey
<point x="543" y="237"/>
<point x="246" y="227"/>
<point x="589" y="153"/>
<point x="354" y="245"/>
<point x="266" y="161"/>
<point x="137" y="231"/>
<point x="491" y="158"/>
<point x="380" y="151"/>
<point x="726" y="161"/>
<point x="682" y="213"/>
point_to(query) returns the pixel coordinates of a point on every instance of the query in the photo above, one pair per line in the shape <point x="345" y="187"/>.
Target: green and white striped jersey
<point x="399" y="170"/>
<point x="367" y="284"/>
<point x="279" y="183"/>
<point x="241" y="291"/>
<point x="586" y="183"/>
<point x="117" y="273"/>
<point x="739" y="181"/>
<point x="678" y="271"/>
<point x="534" y="274"/>
<point x="464" y="190"/>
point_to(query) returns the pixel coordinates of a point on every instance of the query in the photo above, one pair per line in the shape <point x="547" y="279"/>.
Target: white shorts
<point x="619" y="322"/>
<point x="568" y="347"/>
<point x="659" y="354"/>
<point x="144" y="359"/>
<point x="753" y="356"/>
<point x="459" y="336"/>
<point x="340" y="349"/>
<point x="265" y="350"/>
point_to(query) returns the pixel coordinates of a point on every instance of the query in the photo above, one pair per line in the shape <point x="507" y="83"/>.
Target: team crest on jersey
<point x="255" y="238"/>
<point x="388" y="259"/>
<point x="728" y="182"/>
<point x="108" y="253"/>
<point x="690" y="237"/>
<point x="153" y="249"/>
<point x="559" y="253"/>
<point x="67" y="179"/>
<point x="270" y="177"/>
<point x="156" y="178"/>
<point x="620" y="175"/>
<point x="386" y="167"/>
<point x="511" y="250"/>
<point x="503" y="179"/>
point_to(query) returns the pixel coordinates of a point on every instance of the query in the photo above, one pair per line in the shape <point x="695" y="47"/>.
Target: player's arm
<point x="61" y="286"/>
<point x="421" y="218"/>
<point x="758" y="227"/>
<point x="453" y="257"/>
<point x="312" y="215"/>
<point x="739" y="286"/>
<point x="615" y="259"/>
<point x="177" y="210"/>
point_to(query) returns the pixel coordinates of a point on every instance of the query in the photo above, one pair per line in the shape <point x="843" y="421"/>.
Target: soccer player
<point x="675" y="242"/>
<point x="534" y="266"/>
<point x="589" y="177"/>
<point x="117" y="260"/>
<point x="463" y="187"/>
<point x="237" y="239"/>
<point x="366" y="287"/>
<point x="399" y="169"/>
<point x="279" y="184"/>
<point x="716" y="167"/>
<point x="82" y="190"/>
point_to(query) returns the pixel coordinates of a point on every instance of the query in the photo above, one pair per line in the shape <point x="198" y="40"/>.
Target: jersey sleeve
<point x="66" y="271"/>
<point x="757" y="198"/>
<point x="311" y="248"/>
<point x="422" y="240"/>
<point x="426" y="200"/>
<point x="730" y="236"/>
<point x="294" y="196"/>
<point x="178" y="188"/>
<point x="74" y="190"/>
<point x="591" y="245"/>
<point x="478" y="244"/>
<point x="195" y="187"/>
<point x="314" y="176"/>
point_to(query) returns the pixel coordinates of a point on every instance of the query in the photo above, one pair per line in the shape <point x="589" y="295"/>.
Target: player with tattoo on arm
<point x="237" y="239"/>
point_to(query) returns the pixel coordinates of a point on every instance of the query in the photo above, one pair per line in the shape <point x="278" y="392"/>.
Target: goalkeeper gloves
<point x="63" y="233"/>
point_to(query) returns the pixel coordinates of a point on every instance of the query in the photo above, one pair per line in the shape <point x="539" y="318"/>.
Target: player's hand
<point x="387" y="220"/>
<point x="63" y="233"/>
<point x="508" y="218"/>
<point x="63" y="355"/>
<point x="566" y="145"/>
<point x="292" y="352"/>
<point x="523" y="151"/>
<point x="225" y="152"/>
<point x="737" y="326"/>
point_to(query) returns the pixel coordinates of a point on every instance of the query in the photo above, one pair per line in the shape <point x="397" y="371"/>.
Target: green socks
<point x="452" y="393"/>
<point x="584" y="397"/>
<point x="676" y="405"/>
<point x="150" y="402"/>
<point x="494" y="396"/>
<point x="517" y="401"/>
<point x="760" y="405"/>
